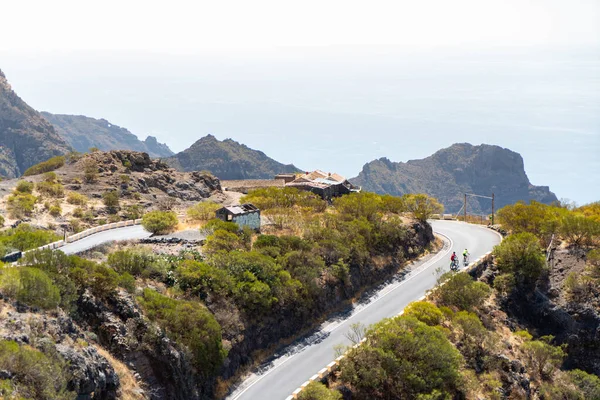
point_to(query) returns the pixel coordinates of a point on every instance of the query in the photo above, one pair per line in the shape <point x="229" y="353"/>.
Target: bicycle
<point x="466" y="259"/>
<point x="454" y="265"/>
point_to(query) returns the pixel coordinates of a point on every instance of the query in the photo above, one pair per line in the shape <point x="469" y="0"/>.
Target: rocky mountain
<point x="451" y="172"/>
<point x="83" y="132"/>
<point x="26" y="138"/>
<point x="228" y="159"/>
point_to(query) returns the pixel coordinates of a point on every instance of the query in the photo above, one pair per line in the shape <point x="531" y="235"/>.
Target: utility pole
<point x="465" y="207"/>
<point x="493" y="208"/>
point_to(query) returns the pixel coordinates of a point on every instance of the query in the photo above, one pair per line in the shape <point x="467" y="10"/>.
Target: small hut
<point x="243" y="215"/>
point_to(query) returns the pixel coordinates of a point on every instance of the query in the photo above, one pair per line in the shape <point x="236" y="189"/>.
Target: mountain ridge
<point x="26" y="138"/>
<point x="83" y="132"/>
<point x="228" y="159"/>
<point x="450" y="172"/>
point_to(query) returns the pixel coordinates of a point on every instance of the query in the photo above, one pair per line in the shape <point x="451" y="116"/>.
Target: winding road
<point x="297" y="363"/>
<point x="89" y="242"/>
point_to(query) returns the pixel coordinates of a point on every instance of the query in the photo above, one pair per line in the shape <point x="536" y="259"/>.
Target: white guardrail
<point x="334" y="365"/>
<point x="86" y="233"/>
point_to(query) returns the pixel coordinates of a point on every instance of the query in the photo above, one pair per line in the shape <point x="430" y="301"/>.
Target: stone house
<point x="243" y="215"/>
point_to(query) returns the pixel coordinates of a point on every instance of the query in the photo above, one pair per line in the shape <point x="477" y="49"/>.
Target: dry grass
<point x="131" y="389"/>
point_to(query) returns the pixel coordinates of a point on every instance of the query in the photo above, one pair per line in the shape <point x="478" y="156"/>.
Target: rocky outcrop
<point x="165" y="369"/>
<point x="146" y="176"/>
<point x="26" y="138"/>
<point x="451" y="172"/>
<point x="229" y="160"/>
<point x="91" y="375"/>
<point x="83" y="132"/>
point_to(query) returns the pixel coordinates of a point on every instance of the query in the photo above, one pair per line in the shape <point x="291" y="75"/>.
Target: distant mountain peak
<point x="455" y="170"/>
<point x="228" y="160"/>
<point x="84" y="132"/>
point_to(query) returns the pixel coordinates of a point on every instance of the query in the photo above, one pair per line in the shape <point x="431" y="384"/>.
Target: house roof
<point x="241" y="209"/>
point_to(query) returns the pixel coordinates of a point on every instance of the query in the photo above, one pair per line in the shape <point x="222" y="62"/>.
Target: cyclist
<point x="454" y="259"/>
<point x="465" y="255"/>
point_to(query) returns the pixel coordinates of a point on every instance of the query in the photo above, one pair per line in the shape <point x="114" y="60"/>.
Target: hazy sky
<point x="326" y="84"/>
<point x="189" y="26"/>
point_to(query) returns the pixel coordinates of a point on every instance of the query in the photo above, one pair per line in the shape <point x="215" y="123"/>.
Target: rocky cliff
<point x="228" y="159"/>
<point x="26" y="138"/>
<point x="451" y="172"/>
<point x="83" y="132"/>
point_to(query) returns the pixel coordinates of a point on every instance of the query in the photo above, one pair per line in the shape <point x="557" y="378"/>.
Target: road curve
<point x="296" y="364"/>
<point x="125" y="233"/>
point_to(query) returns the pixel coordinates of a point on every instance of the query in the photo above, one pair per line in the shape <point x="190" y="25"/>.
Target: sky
<point x="326" y="84"/>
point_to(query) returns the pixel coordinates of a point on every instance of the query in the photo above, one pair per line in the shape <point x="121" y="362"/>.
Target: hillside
<point x="228" y="159"/>
<point x="451" y="172"/>
<point x="83" y="132"/>
<point x="26" y="138"/>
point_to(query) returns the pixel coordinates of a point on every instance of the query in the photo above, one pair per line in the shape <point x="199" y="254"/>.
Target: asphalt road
<point x="125" y="233"/>
<point x="297" y="363"/>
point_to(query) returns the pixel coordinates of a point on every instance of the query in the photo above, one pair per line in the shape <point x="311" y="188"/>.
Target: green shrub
<point x="318" y="391"/>
<point x="77" y="199"/>
<point x="55" y="210"/>
<point x="160" y="222"/>
<point x="543" y="357"/>
<point x="425" y="312"/>
<point x="404" y="351"/>
<point x="30" y="286"/>
<point x="90" y="170"/>
<point x="50" y="177"/>
<point x="111" y="201"/>
<point x="135" y="211"/>
<point x="422" y="206"/>
<point x="462" y="292"/>
<point x="589" y="384"/>
<point x="20" y="205"/>
<point x="191" y="325"/>
<point x="139" y="261"/>
<point x="35" y="374"/>
<point x="46" y="166"/>
<point x="51" y="189"/>
<point x="203" y="211"/>
<point x="24" y="187"/>
<point x="520" y="255"/>
<point x="1" y="221"/>
<point x="78" y="212"/>
<point x="24" y="237"/>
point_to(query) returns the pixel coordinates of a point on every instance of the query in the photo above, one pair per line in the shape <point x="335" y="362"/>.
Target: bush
<point x="139" y="261"/>
<point x="20" y="205"/>
<point x="24" y="237"/>
<point x="543" y="357"/>
<point x="30" y="286"/>
<point x="462" y="292"/>
<point x="90" y="170"/>
<point x="589" y="384"/>
<point x="35" y="374"/>
<point x="160" y="222"/>
<point x="425" y="312"/>
<point x="24" y="187"/>
<point x="520" y="255"/>
<point x="404" y="351"/>
<point x="46" y="166"/>
<point x="50" y="189"/>
<point x="111" y="201"/>
<point x="77" y="199"/>
<point x="422" y="206"/>
<point x="579" y="230"/>
<point x="203" y="211"/>
<point x="318" y="391"/>
<point x="50" y="177"/>
<point x="1" y="221"/>
<point x="78" y="212"/>
<point x="55" y="210"/>
<point x="134" y="211"/>
<point x="189" y="324"/>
